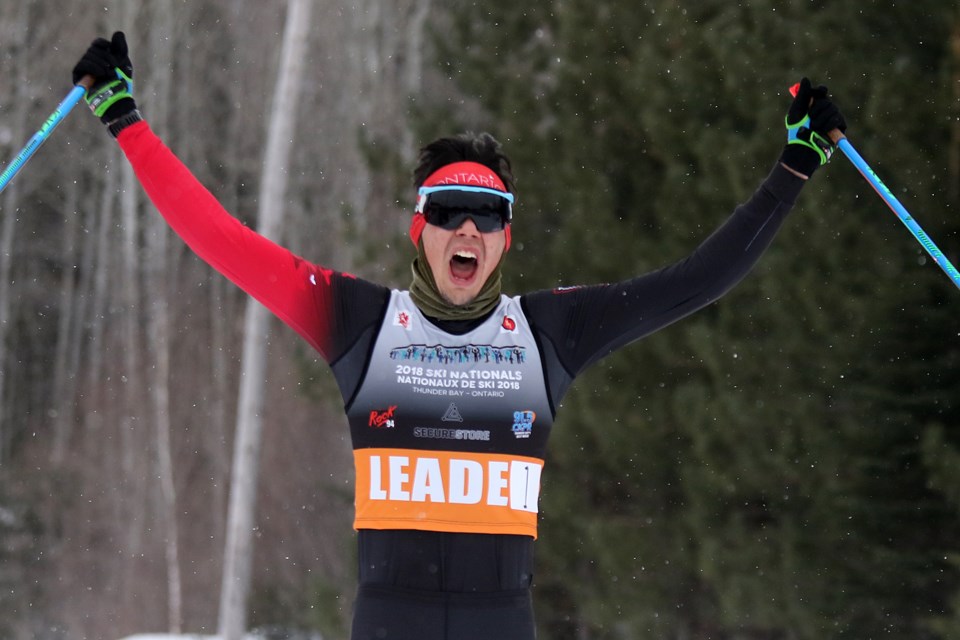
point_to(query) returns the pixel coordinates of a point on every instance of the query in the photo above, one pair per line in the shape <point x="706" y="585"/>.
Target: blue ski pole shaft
<point x="44" y="132"/>
<point x="894" y="204"/>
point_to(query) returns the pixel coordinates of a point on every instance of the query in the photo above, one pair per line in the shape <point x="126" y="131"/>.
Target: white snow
<point x="182" y="636"/>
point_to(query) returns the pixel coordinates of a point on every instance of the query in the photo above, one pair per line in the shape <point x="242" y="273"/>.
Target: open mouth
<point x="463" y="265"/>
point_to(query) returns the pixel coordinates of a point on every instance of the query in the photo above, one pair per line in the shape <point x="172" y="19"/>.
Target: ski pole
<point x="841" y="141"/>
<point x="40" y="136"/>
<point x="837" y="137"/>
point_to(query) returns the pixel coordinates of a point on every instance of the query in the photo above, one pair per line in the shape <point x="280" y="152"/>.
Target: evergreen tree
<point x="756" y="470"/>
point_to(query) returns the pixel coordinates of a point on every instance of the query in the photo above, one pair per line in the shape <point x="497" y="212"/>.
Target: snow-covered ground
<point x="266" y="635"/>
<point x="183" y="636"/>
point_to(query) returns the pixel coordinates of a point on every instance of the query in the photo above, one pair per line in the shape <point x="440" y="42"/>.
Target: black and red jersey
<point x="449" y="420"/>
<point x="449" y="430"/>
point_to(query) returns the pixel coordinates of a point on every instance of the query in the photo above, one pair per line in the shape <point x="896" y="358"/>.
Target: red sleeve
<point x="296" y="291"/>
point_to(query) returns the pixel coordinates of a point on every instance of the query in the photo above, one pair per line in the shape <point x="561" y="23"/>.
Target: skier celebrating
<point x="450" y="387"/>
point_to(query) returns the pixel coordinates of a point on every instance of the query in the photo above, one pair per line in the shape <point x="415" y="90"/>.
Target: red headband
<point x="468" y="174"/>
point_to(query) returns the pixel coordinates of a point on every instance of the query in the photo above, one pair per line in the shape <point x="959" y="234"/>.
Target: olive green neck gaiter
<point x="427" y="296"/>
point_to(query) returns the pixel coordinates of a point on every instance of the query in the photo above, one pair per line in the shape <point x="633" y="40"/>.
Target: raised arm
<point x="580" y="325"/>
<point x="319" y="303"/>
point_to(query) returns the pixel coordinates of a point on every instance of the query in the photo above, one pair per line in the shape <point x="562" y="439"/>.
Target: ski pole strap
<point x="102" y="97"/>
<point x="801" y="133"/>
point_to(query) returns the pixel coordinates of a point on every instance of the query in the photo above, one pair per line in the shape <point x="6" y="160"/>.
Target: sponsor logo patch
<point x="382" y="419"/>
<point x="452" y="414"/>
<point x="523" y="423"/>
<point x="402" y="319"/>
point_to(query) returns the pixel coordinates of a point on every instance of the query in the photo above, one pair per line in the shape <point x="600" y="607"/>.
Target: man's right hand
<point x="108" y="63"/>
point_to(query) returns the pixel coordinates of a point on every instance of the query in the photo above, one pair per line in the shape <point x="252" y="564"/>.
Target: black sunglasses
<point x="448" y="206"/>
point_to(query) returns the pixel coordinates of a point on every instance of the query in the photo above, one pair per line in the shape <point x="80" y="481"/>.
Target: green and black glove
<point x="811" y="118"/>
<point x="111" y="95"/>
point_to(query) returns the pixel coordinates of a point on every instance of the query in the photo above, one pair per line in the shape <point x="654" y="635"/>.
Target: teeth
<point x="469" y="255"/>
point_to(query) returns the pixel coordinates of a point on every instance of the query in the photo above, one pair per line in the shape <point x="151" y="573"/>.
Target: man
<point x="450" y="388"/>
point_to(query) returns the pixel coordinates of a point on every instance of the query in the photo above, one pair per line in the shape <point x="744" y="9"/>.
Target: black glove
<point x="111" y="95"/>
<point x="811" y="118"/>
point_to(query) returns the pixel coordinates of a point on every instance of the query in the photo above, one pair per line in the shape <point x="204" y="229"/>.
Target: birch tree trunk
<point x="62" y="374"/>
<point x="6" y="248"/>
<point x="953" y="152"/>
<point x="159" y="277"/>
<point x="8" y="228"/>
<point x="239" y="543"/>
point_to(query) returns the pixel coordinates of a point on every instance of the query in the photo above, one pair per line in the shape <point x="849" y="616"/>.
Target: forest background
<point x="783" y="465"/>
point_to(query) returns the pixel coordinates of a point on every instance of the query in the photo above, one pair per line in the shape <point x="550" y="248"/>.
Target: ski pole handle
<point x="836" y="135"/>
<point x="44" y="132"/>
